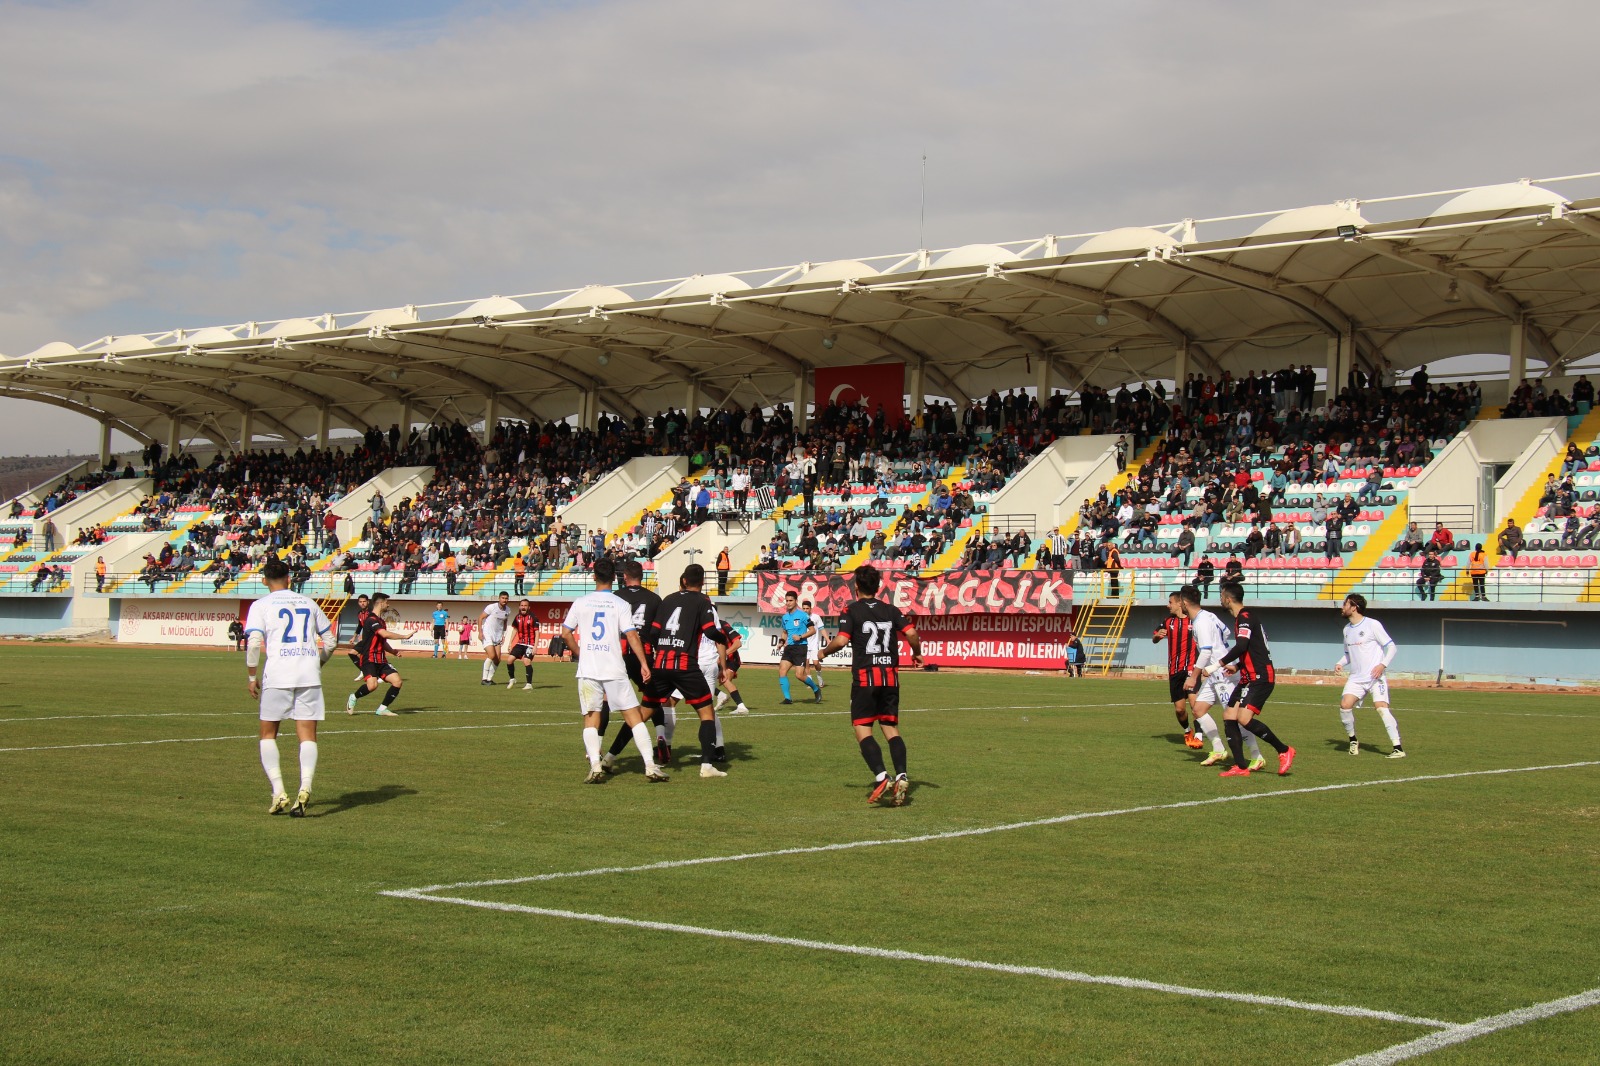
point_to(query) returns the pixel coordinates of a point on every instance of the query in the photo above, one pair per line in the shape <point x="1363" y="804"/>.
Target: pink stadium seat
<point x="1588" y="560"/>
<point x="1569" y="561"/>
<point x="1448" y="560"/>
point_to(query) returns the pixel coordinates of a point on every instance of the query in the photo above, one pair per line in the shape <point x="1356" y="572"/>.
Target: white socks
<point x="641" y="740"/>
<point x="718" y="722"/>
<point x="1250" y="745"/>
<point x="488" y="670"/>
<point x="308" y="763"/>
<point x="1208" y="726"/>
<point x="670" y="716"/>
<point x="269" y="763"/>
<point x="1391" y="725"/>
<point x="591" y="746"/>
<point x="1348" y="717"/>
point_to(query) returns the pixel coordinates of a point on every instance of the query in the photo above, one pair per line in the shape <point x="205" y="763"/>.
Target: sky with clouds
<point x="183" y="163"/>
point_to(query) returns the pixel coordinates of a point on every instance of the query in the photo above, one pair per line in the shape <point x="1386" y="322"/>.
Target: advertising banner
<point x="197" y="623"/>
<point x="956" y="592"/>
<point x="416" y="617"/>
<point x="870" y="385"/>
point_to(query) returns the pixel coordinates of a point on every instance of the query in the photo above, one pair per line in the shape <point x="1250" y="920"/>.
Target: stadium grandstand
<point x="1387" y="396"/>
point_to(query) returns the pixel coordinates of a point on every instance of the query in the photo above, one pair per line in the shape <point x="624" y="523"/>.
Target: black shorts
<point x="874" y="703"/>
<point x="1175" y="684"/>
<point x="692" y="683"/>
<point x="438" y="632"/>
<point x="794" y="654"/>
<point x="734" y="663"/>
<point x="1252" y="695"/>
<point x="376" y="668"/>
<point x="523" y="651"/>
<point x="630" y="663"/>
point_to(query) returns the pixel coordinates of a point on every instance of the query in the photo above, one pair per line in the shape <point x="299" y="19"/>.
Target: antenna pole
<point x="922" y="217"/>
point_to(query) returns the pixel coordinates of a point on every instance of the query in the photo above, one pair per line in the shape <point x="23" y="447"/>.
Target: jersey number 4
<point x="672" y="622"/>
<point x="879" y="635"/>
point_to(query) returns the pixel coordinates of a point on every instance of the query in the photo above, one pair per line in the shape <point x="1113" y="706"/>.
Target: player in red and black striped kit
<point x="1182" y="652"/>
<point x="873" y="630"/>
<point x="643" y="603"/>
<point x="680" y="623"/>
<point x="524" y="644"/>
<point x="1251" y="659"/>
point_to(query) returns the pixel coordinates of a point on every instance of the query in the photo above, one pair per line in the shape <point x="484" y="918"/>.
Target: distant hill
<point x="21" y="472"/>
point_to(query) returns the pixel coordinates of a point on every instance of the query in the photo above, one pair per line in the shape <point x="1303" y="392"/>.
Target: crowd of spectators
<point x="1531" y="399"/>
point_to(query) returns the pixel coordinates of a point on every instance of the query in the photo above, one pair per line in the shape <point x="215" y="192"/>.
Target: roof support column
<point x="916" y="389"/>
<point x="174" y="437"/>
<point x="801" y="418"/>
<point x="1042" y="380"/>
<point x="247" y="428"/>
<point x="1519" y="355"/>
<point x="323" y="425"/>
<point x="1347" y="353"/>
<point x="406" y="418"/>
<point x="691" y="398"/>
<point x="1180" y="372"/>
<point x="1334" y="377"/>
<point x="590" y="409"/>
<point x="491" y="415"/>
<point x="105" y="443"/>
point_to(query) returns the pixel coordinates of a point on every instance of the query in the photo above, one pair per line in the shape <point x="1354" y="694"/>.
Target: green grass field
<point x="153" y="912"/>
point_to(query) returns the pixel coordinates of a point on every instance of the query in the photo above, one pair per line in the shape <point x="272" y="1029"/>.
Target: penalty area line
<point x="1460" y="1034"/>
<point x="1071" y="976"/>
<point x="1006" y="827"/>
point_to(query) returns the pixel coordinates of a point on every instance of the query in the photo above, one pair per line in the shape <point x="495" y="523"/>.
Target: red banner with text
<point x="871" y="385"/>
<point x="953" y="593"/>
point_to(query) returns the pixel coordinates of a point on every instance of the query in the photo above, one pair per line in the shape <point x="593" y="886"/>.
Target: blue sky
<point x="180" y="163"/>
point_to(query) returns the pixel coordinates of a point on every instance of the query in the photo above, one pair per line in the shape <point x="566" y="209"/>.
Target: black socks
<point x="1259" y="729"/>
<point x="874" y="754"/>
<point x="1236" y="743"/>
<point x="897" y="752"/>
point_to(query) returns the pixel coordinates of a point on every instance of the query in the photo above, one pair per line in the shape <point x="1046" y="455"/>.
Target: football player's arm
<point x="913" y="638"/>
<point x="1390" y="649"/>
<point x="841" y="639"/>
<point x="1241" y="644"/>
<point x="571" y="639"/>
<point x="1344" y="660"/>
<point x="252" y="660"/>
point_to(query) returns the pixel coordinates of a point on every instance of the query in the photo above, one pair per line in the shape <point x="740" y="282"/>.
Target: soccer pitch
<point x="1066" y="885"/>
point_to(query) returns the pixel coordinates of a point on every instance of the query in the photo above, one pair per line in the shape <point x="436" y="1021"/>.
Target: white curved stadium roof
<point x="1405" y="280"/>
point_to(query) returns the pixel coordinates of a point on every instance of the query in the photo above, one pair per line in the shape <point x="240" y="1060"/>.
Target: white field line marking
<point x="955" y="834"/>
<point x="1333" y="705"/>
<point x="453" y="728"/>
<point x="1073" y="976"/>
<point x="1460" y="1034"/>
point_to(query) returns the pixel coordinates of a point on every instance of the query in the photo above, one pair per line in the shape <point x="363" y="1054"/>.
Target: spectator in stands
<point x="1442" y="539"/>
<point x="1333" y="532"/>
<point x="1291" y="540"/>
<point x="1372" y="485"/>
<point x="1511" y="539"/>
<point x="1204" y="574"/>
<point x="1233" y="569"/>
<point x="1254" y="542"/>
<point x="1184" y="548"/>
<point x="1272" y="540"/>
<point x="1583" y="392"/>
<point x="1410" y="542"/>
<point x="1429" y="576"/>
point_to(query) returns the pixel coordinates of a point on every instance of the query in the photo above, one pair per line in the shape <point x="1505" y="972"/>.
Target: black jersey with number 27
<point x="874" y="629"/>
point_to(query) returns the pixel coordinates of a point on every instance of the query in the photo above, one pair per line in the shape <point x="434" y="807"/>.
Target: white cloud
<point x="179" y="164"/>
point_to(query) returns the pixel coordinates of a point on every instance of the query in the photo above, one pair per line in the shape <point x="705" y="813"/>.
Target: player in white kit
<point x="491" y="631"/>
<point x="1368" y="651"/>
<point x="289" y="639"/>
<point x="596" y="628"/>
<point x="814" y="644"/>
<point x="1211" y="685"/>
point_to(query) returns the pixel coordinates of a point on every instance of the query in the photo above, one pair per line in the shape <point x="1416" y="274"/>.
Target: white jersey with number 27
<point x="291" y="625"/>
<point x="599" y="620"/>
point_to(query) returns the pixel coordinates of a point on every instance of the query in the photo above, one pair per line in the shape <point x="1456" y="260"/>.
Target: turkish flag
<point x="878" y="384"/>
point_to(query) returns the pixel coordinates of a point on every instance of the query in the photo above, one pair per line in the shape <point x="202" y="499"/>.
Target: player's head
<point x="605" y="572"/>
<point x="378" y="600"/>
<point x="632" y="572"/>
<point x="806" y="604"/>
<point x="868" y="581"/>
<point x="1231" y="593"/>
<point x="275" y="574"/>
<point x="694" y="576"/>
<point x="789" y="600"/>
<point x="505" y="598"/>
<point x="363" y="601"/>
<point x="1189" y="600"/>
<point x="525" y="607"/>
<point x="1174" y="604"/>
<point x="1354" y="606"/>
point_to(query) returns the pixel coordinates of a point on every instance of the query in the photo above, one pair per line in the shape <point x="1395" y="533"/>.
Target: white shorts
<point x="592" y="693"/>
<point x="300" y="704"/>
<point x="1361" y="688"/>
<point x="1216" y="690"/>
<point x="492" y="641"/>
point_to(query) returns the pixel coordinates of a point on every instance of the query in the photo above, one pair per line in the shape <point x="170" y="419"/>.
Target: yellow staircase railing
<point x="1102" y="621"/>
<point x="1587" y="432"/>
